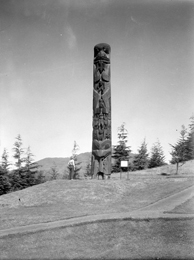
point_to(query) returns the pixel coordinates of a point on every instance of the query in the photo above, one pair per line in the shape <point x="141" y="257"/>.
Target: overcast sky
<point x="46" y="71"/>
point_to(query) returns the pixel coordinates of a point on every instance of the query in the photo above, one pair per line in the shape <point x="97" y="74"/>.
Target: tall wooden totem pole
<point x="101" y="137"/>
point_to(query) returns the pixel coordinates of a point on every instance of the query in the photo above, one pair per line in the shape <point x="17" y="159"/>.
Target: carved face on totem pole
<point x="101" y="143"/>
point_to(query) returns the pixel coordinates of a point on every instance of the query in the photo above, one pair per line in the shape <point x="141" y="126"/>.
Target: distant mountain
<point x="84" y="158"/>
<point x="61" y="163"/>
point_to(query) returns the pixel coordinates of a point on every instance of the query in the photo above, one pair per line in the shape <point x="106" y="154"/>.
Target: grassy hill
<point x="60" y="199"/>
<point x="127" y="239"/>
<point x="61" y="163"/>
<point x="84" y="158"/>
<point x="184" y="169"/>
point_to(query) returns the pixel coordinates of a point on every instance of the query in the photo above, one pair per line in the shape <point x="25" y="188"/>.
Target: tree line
<point x="26" y="172"/>
<point x="181" y="151"/>
<point x="142" y="160"/>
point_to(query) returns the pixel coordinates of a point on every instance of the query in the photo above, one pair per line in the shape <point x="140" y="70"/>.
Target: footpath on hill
<point x="162" y="208"/>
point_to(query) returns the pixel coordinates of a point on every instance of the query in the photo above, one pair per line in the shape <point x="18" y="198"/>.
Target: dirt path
<point x="152" y="211"/>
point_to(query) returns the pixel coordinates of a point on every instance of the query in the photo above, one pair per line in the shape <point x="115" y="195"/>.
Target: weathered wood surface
<point x="101" y="138"/>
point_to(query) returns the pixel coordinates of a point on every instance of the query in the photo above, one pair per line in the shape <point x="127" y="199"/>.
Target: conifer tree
<point x="181" y="151"/>
<point x="26" y="170"/>
<point x="54" y="172"/>
<point x="5" y="184"/>
<point x="30" y="168"/>
<point x="190" y="140"/>
<point x="88" y="170"/>
<point x="19" y="153"/>
<point x="157" y="157"/>
<point x="4" y="161"/>
<point x="17" y="178"/>
<point x="40" y="177"/>
<point x="141" y="160"/>
<point x="121" y="151"/>
<point x="77" y="164"/>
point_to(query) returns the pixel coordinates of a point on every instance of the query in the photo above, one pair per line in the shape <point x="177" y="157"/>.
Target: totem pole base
<point x="101" y="168"/>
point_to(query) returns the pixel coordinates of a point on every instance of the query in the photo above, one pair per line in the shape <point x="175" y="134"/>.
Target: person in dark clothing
<point x="71" y="166"/>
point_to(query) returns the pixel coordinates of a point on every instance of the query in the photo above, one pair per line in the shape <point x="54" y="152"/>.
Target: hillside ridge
<point x="61" y="163"/>
<point x="84" y="160"/>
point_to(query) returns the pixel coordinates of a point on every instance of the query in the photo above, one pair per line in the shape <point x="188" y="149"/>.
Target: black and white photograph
<point x="96" y="129"/>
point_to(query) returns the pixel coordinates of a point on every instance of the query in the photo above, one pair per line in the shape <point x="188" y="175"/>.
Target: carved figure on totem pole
<point x="101" y="138"/>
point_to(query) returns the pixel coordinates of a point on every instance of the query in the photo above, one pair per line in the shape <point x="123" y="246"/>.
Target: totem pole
<point x="101" y="138"/>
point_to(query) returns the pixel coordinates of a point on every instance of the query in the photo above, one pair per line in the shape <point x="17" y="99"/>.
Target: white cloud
<point x="71" y="38"/>
<point x="133" y="20"/>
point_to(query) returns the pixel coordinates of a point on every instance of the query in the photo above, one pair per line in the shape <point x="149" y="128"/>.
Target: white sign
<point x="124" y="163"/>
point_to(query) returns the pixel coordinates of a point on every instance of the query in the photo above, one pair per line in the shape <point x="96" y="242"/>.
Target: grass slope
<point x="186" y="207"/>
<point x="184" y="169"/>
<point x="61" y="199"/>
<point x="61" y="163"/>
<point x="131" y="239"/>
<point x="154" y="239"/>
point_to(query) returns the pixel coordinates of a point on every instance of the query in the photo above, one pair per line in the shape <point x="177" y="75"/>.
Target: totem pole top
<point x="100" y="45"/>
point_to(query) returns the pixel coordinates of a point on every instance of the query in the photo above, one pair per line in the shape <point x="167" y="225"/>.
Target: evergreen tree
<point x="141" y="160"/>
<point x="19" y="152"/>
<point x="190" y="140"/>
<point x="88" y="170"/>
<point x="157" y="156"/>
<point x="180" y="151"/>
<point x="54" y="172"/>
<point x="4" y="181"/>
<point x="121" y="151"/>
<point x="28" y="159"/>
<point x="75" y="149"/>
<point x="30" y="169"/>
<point x="5" y="184"/>
<point x="17" y="177"/>
<point x="40" y="177"/>
<point x="77" y="164"/>
<point x="4" y="161"/>
<point x="26" y="172"/>
<point x="16" y="181"/>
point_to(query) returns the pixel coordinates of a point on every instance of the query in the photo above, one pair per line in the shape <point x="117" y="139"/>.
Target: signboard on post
<point x="125" y="164"/>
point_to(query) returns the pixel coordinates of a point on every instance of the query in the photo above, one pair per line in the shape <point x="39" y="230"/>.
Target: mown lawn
<point x="186" y="207"/>
<point x="129" y="239"/>
<point x="63" y="199"/>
